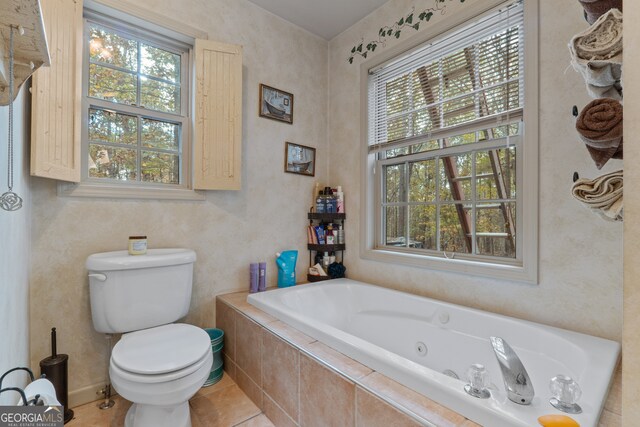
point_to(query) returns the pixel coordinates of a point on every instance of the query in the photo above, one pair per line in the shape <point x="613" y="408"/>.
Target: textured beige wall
<point x="580" y="255"/>
<point x="228" y="230"/>
<point x="14" y="251"/>
<point x="631" y="337"/>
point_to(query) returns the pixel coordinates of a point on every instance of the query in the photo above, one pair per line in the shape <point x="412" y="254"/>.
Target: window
<point x="446" y="151"/>
<point x="118" y="113"/>
<point x="136" y="99"/>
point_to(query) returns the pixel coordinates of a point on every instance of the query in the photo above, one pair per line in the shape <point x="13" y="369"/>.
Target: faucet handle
<point x="565" y="393"/>
<point x="477" y="387"/>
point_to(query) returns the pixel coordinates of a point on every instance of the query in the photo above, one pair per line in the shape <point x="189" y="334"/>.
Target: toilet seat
<point x="162" y="353"/>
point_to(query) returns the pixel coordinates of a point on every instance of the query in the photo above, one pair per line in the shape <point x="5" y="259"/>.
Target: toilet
<point x="157" y="364"/>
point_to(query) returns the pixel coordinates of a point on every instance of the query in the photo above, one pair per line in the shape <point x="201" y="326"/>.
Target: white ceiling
<point x="325" y="18"/>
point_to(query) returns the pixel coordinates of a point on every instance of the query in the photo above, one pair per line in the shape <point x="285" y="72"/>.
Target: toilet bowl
<point x="158" y="365"/>
<point x="160" y="369"/>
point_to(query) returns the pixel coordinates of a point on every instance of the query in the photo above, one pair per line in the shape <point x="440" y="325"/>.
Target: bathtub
<point x="389" y="331"/>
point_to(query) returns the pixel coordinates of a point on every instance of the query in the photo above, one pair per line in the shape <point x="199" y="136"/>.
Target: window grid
<point x="463" y="92"/>
<point x="178" y="119"/>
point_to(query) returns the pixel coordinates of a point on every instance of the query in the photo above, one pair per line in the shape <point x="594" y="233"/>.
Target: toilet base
<point x="140" y="415"/>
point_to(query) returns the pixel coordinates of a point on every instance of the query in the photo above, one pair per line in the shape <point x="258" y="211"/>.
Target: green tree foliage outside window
<point x="134" y="90"/>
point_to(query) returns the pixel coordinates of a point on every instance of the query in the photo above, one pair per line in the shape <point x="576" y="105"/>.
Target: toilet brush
<point x="54" y="368"/>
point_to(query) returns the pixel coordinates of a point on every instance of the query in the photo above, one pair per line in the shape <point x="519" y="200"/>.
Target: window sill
<point x="526" y="273"/>
<point x="90" y="190"/>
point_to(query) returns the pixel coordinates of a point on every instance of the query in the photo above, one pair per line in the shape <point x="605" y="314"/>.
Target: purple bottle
<point x="253" y="278"/>
<point x="262" y="282"/>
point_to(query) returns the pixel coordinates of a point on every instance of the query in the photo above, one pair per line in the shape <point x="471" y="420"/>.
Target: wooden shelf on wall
<point x="30" y="49"/>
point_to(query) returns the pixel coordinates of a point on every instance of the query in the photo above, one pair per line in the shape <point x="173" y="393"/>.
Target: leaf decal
<point x="413" y="19"/>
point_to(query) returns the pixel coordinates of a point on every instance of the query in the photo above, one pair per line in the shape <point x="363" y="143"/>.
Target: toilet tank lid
<point x="121" y="260"/>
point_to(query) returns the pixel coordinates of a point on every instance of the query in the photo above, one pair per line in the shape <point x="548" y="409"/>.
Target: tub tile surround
<point x="306" y="383"/>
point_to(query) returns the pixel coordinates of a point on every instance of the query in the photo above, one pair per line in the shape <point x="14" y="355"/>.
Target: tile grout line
<point x="281" y="409"/>
<point x="249" y="419"/>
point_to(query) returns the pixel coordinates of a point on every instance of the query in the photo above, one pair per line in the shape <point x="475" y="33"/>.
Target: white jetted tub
<point x="386" y="330"/>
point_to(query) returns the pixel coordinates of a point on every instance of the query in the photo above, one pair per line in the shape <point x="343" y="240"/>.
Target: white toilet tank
<point x="133" y="292"/>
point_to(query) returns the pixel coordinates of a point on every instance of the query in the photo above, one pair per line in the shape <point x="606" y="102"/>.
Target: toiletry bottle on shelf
<point x="340" y="236"/>
<point x="330" y="237"/>
<point x="325" y="261"/>
<point x="340" y="196"/>
<point x="328" y="200"/>
<point x="314" y="195"/>
<point x="320" y="202"/>
<point x="332" y="258"/>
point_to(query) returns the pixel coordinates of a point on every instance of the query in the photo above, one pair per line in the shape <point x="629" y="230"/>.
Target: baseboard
<point x="87" y="394"/>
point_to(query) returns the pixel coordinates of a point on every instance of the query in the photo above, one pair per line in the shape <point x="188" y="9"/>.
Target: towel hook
<point x="574" y="111"/>
<point x="576" y="176"/>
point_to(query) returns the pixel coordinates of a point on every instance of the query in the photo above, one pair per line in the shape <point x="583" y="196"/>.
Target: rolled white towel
<point x="602" y="194"/>
<point x="45" y="389"/>
<point x="596" y="53"/>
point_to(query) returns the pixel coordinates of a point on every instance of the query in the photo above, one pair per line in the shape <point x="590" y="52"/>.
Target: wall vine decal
<point x="395" y="30"/>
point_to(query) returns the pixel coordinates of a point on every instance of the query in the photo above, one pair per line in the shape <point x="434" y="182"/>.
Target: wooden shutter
<point x="217" y="142"/>
<point x="56" y="95"/>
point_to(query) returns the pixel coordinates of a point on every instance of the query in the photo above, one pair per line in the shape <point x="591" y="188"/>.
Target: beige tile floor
<point x="220" y="405"/>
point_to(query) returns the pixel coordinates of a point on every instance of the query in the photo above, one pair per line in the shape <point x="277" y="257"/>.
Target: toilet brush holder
<point x="55" y="369"/>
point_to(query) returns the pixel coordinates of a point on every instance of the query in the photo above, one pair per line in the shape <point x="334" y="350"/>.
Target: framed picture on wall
<point x="299" y="159"/>
<point x="276" y="104"/>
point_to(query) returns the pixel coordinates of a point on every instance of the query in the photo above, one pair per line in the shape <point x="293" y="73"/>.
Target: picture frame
<point x="299" y="159"/>
<point x="276" y="104"/>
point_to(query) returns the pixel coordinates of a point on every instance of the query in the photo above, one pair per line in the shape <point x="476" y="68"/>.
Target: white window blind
<point x="466" y="79"/>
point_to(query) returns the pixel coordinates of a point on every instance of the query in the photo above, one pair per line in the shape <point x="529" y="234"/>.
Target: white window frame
<point x="109" y="13"/>
<point x="525" y="266"/>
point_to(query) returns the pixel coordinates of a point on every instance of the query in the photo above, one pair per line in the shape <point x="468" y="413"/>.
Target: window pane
<point x="398" y="92"/>
<point x="399" y="128"/>
<point x="496" y="174"/>
<point x="110" y="48"/>
<point x="159" y="63"/>
<point x="422" y="181"/>
<point x="160" y="167"/>
<point x="112" y="163"/>
<point x="495" y="229"/>
<point x="157" y="134"/>
<point x="394" y="183"/>
<point x="468" y="138"/>
<point x="422" y="227"/>
<point x="159" y="96"/>
<point x="116" y="128"/>
<point x="455" y="173"/>
<point x="395" y="221"/>
<point x="452" y="235"/>
<point x="112" y="85"/>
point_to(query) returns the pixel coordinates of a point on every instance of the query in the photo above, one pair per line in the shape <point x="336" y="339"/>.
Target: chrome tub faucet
<point x="515" y="376"/>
